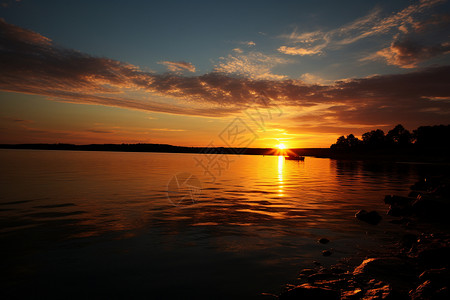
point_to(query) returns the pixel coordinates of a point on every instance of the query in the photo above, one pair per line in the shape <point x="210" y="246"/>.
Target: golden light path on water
<point x="280" y="175"/>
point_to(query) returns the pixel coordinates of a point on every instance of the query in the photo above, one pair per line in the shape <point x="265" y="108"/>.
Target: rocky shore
<point x="415" y="267"/>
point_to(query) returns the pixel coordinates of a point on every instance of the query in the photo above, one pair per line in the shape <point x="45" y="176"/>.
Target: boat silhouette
<point x="292" y="157"/>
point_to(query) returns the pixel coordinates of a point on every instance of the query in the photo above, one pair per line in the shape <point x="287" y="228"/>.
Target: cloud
<point x="16" y="120"/>
<point x="248" y="43"/>
<point x="300" y="51"/>
<point x="178" y="66"/>
<point x="315" y="42"/>
<point x="313" y="79"/>
<point x="166" y="129"/>
<point x="254" y="65"/>
<point x="408" y="54"/>
<point x="32" y="64"/>
<point x="238" y="50"/>
<point x="437" y="20"/>
<point x="99" y="131"/>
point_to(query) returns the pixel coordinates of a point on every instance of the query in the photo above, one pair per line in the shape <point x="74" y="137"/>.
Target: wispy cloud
<point x="17" y="120"/>
<point x="254" y="65"/>
<point x="178" y="66"/>
<point x="100" y="131"/>
<point x="166" y="129"/>
<point x="316" y="42"/>
<point x="30" y="63"/>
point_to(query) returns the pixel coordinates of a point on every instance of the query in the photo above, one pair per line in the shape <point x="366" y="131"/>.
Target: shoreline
<point x="432" y="156"/>
<point x="415" y="267"/>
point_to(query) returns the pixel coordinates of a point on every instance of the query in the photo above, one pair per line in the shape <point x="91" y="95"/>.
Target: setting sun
<point x="281" y="146"/>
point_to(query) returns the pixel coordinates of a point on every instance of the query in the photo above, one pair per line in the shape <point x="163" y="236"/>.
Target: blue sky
<point x="280" y="48"/>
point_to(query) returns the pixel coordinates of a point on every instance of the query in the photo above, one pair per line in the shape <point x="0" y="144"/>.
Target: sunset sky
<point x="300" y="73"/>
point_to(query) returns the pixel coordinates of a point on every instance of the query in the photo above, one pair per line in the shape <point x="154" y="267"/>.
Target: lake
<point x="187" y="226"/>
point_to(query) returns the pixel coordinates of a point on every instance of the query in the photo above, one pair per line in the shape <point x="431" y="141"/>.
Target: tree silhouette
<point x="399" y="136"/>
<point x="425" y="137"/>
<point x="432" y="136"/>
<point x="374" y="138"/>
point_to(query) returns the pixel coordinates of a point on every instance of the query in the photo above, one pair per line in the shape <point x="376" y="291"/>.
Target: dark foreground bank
<point x="414" y="267"/>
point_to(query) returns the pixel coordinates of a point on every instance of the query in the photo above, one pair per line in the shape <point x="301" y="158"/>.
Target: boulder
<point x="429" y="207"/>
<point x="307" y="291"/>
<point x="324" y="241"/>
<point x="390" y="269"/>
<point x="384" y="292"/>
<point x="399" y="200"/>
<point x="423" y="291"/>
<point x="307" y="272"/>
<point x="372" y="217"/>
<point x="353" y="294"/>
<point x="438" y="275"/>
<point x="434" y="255"/>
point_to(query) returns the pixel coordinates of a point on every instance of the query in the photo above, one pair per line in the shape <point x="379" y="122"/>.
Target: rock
<point x="422" y="292"/>
<point x="372" y="217"/>
<point x="400" y="221"/>
<point x="384" y="292"/>
<point x="413" y="194"/>
<point x="421" y="185"/>
<point x="399" y="206"/>
<point x="430" y="289"/>
<point x="398" y="200"/>
<point x="443" y="293"/>
<point x="434" y="255"/>
<point x="324" y="241"/>
<point x="441" y="275"/>
<point x="408" y="240"/>
<point x="307" y="291"/>
<point x="429" y="207"/>
<point x="307" y="271"/>
<point x="353" y="294"/>
<point x="326" y="253"/>
<point x="321" y="277"/>
<point x="390" y="269"/>
<point x="337" y="270"/>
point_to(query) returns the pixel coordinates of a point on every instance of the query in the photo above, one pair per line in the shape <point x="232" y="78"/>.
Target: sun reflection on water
<point x="280" y="176"/>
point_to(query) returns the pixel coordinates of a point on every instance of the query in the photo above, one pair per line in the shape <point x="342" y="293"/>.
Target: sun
<point x="281" y="146"/>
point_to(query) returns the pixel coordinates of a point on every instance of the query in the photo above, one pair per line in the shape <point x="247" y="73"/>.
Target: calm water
<point x="100" y="224"/>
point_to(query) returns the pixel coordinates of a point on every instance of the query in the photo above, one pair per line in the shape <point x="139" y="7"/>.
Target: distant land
<point x="165" y="148"/>
<point x="400" y="155"/>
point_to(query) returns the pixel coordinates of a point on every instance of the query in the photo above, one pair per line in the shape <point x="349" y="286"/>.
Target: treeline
<point x="398" y="138"/>
<point x="141" y="147"/>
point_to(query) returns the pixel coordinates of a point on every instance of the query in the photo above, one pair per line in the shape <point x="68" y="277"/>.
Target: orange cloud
<point x="408" y="54"/>
<point x="300" y="51"/>
<point x="30" y="63"/>
<point x="178" y="66"/>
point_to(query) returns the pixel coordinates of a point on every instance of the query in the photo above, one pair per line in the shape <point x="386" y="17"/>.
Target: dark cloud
<point x="31" y="63"/>
<point x="407" y="53"/>
<point x="99" y="131"/>
<point x="440" y="20"/>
